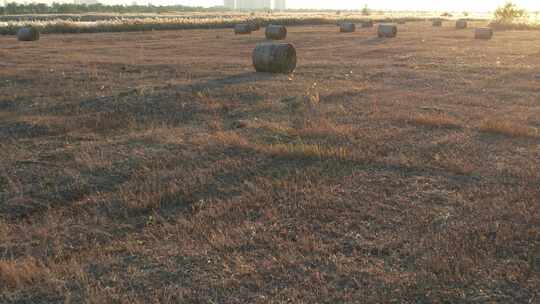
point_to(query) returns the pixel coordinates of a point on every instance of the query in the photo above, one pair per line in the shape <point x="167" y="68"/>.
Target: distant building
<point x="249" y="4"/>
<point x="253" y="4"/>
<point x="230" y="4"/>
<point x="243" y="4"/>
<point x="280" y="5"/>
<point x="86" y="2"/>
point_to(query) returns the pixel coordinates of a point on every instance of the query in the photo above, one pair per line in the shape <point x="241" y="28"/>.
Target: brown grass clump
<point x="506" y="127"/>
<point x="4" y="230"/>
<point x="309" y="151"/>
<point x="230" y="138"/>
<point x="15" y="274"/>
<point x="454" y="162"/>
<point x="323" y="127"/>
<point x="438" y="120"/>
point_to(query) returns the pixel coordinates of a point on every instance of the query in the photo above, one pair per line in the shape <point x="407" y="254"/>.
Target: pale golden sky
<point x="453" y="5"/>
<point x="438" y="5"/>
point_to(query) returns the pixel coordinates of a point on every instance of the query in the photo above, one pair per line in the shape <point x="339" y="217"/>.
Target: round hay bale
<point x="274" y="57"/>
<point x="347" y="27"/>
<point x="461" y="24"/>
<point x="387" y="31"/>
<point x="242" y="29"/>
<point x="437" y="22"/>
<point x="483" y="33"/>
<point x="276" y="32"/>
<point x="28" y="34"/>
<point x="255" y="26"/>
<point x="367" y="23"/>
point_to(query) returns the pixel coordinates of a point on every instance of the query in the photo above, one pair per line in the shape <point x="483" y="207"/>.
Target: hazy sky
<point x="453" y="5"/>
<point x="440" y="5"/>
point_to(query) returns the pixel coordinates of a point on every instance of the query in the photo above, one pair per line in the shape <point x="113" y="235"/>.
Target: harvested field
<point x="158" y="167"/>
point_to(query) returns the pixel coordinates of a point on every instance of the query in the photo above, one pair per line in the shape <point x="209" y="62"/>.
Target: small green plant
<point x="365" y="11"/>
<point x="508" y="13"/>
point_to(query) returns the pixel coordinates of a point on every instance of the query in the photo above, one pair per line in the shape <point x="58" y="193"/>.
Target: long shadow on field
<point x="371" y="41"/>
<point x="232" y="80"/>
<point x="158" y="100"/>
<point x="228" y="184"/>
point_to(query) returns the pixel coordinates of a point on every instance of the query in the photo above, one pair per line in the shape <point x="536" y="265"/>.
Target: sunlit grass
<point x="146" y="22"/>
<point x="309" y="151"/>
<point x="20" y="273"/>
<point x="440" y="120"/>
<point x="509" y="128"/>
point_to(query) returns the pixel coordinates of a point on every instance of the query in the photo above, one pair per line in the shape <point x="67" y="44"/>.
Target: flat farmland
<point x="158" y="167"/>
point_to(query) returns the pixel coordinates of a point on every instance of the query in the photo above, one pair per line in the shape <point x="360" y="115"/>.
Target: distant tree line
<point x="70" y="8"/>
